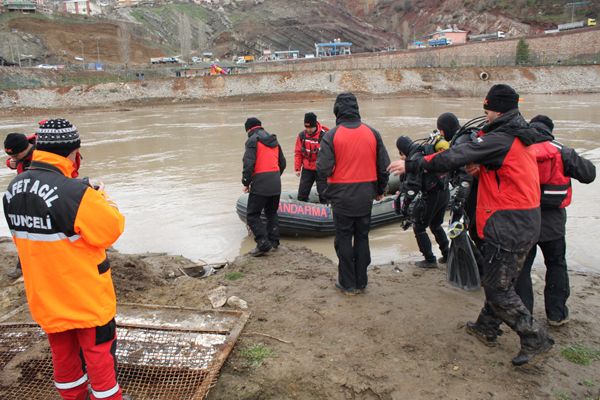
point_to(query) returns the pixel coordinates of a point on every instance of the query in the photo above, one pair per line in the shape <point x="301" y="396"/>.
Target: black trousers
<point x="432" y="216"/>
<point x="307" y="178"/>
<point x="502" y="304"/>
<point x="557" y="289"/>
<point x="352" y="248"/>
<point x="264" y="234"/>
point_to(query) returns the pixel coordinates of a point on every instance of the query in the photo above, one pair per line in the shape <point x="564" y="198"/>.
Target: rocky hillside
<point x="229" y="28"/>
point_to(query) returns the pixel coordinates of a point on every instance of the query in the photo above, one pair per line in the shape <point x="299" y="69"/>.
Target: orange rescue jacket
<point x="61" y="227"/>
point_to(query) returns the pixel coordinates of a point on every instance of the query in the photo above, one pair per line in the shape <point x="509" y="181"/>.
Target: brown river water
<point x="175" y="170"/>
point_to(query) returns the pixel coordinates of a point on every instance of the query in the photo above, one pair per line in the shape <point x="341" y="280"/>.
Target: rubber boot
<point x="527" y="353"/>
<point x="483" y="334"/>
<point x="424" y="244"/>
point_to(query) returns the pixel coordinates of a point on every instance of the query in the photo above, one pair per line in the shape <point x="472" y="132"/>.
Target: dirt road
<point x="404" y="338"/>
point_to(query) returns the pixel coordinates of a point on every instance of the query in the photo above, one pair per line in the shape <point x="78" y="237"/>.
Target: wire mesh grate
<point x="154" y="363"/>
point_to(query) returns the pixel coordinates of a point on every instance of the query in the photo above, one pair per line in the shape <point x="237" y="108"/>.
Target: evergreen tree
<point x="522" y="52"/>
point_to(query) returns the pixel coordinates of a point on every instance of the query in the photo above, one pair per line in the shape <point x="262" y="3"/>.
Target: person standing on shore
<point x="508" y="215"/>
<point x="557" y="164"/>
<point x="61" y="227"/>
<point x="354" y="159"/>
<point x="263" y="165"/>
<point x="20" y="150"/>
<point x="307" y="147"/>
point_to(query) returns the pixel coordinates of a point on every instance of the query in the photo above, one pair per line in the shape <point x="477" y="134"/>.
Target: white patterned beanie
<point x="58" y="136"/>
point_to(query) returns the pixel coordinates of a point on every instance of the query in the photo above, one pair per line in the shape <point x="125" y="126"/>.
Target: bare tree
<point x="406" y="37"/>
<point x="185" y="36"/>
<point x="200" y="27"/>
<point x="124" y="37"/>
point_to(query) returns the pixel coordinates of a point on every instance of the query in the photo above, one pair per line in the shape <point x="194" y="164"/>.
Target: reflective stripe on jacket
<point x="61" y="227"/>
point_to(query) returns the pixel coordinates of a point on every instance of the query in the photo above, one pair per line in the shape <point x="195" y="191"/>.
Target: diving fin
<point x="462" y="265"/>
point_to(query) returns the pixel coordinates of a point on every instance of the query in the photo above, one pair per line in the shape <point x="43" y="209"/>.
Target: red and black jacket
<point x="307" y="148"/>
<point x="263" y="163"/>
<point x="508" y="195"/>
<point x="556" y="165"/>
<point x="25" y="162"/>
<point x="354" y="160"/>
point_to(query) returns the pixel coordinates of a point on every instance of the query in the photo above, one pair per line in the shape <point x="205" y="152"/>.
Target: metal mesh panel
<point x="154" y="363"/>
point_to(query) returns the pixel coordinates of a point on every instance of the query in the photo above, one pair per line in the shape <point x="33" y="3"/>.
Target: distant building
<point x="81" y="7"/>
<point x="44" y="6"/>
<point x="19" y="5"/>
<point x="335" y="48"/>
<point x="286" y="55"/>
<point x="453" y="35"/>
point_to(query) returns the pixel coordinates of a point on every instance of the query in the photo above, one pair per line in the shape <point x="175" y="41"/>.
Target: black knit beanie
<point x="448" y="123"/>
<point x="310" y="119"/>
<point x="501" y="98"/>
<point x="543" y="119"/>
<point x="15" y="143"/>
<point x="251" y="123"/>
<point x="58" y="136"/>
<point x="404" y="143"/>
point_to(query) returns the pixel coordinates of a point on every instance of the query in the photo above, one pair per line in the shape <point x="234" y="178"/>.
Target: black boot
<point x="483" y="334"/>
<point x="261" y="249"/>
<point x="424" y="244"/>
<point x="444" y="258"/>
<point x="427" y="263"/>
<point x="527" y="353"/>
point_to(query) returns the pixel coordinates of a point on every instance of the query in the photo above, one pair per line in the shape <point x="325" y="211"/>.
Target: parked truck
<point x="164" y="60"/>
<point x="244" y="59"/>
<point x="439" y="42"/>
<point x="577" y="24"/>
<point x="487" y="36"/>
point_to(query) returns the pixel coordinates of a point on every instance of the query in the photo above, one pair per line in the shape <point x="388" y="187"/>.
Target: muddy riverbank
<point x="292" y="85"/>
<point x="404" y="338"/>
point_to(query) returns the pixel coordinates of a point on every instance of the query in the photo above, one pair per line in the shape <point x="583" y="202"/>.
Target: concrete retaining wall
<point x="458" y="82"/>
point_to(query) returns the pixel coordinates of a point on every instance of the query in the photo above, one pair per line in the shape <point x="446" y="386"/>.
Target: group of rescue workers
<point x="512" y="179"/>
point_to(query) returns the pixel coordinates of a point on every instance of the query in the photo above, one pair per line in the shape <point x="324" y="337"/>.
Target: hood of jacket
<point x="513" y="123"/>
<point x="346" y="108"/>
<point x="544" y="133"/>
<point x="263" y="136"/>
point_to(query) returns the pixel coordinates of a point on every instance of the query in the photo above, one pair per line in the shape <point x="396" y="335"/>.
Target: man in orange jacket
<point x="61" y="227"/>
